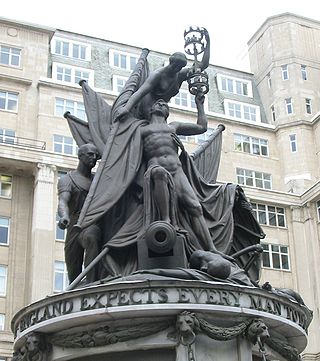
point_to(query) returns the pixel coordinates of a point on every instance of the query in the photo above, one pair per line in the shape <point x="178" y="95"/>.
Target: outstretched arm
<point x="150" y="84"/>
<point x="191" y="128"/>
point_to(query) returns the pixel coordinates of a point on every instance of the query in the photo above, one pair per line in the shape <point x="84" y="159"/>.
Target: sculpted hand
<point x="64" y="222"/>
<point x="122" y="113"/>
<point x="199" y="99"/>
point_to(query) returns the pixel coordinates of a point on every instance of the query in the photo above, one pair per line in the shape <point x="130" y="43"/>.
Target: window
<point x="71" y="74"/>
<point x="234" y="85"/>
<point x="318" y="210"/>
<point x="308" y="106"/>
<point x="74" y="107"/>
<point x="269" y="81"/>
<point x="304" y="72"/>
<point x="5" y="185"/>
<point x="7" y="136"/>
<point x="122" y="60"/>
<point x="3" y="280"/>
<point x="289" y="107"/>
<point x="201" y="138"/>
<point x="118" y="83"/>
<point x="8" y="101"/>
<point x="61" y="173"/>
<point x="184" y="100"/>
<point x="71" y="49"/>
<point x="2" y="321"/>
<point x="4" y="230"/>
<point x="247" y="144"/>
<point x="64" y="145"/>
<point x="293" y="142"/>
<point x="10" y="56"/>
<point x="60" y="233"/>
<point x="284" y="72"/>
<point x="242" y="111"/>
<point x="269" y="215"/>
<point x="197" y="139"/>
<point x="253" y="178"/>
<point x="273" y="113"/>
<point x="275" y="256"/>
<point x="61" y="280"/>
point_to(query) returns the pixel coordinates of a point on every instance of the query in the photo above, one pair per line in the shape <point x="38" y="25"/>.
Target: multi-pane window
<point x="308" y="106"/>
<point x="61" y="280"/>
<point x="70" y="49"/>
<point x="70" y="74"/>
<point x="5" y="185"/>
<point x="64" y="145"/>
<point x="234" y="85"/>
<point x="74" y="107"/>
<point x="7" y="136"/>
<point x="60" y="233"/>
<point x="8" y="101"/>
<point x="184" y="100"/>
<point x="273" y="113"/>
<point x="118" y="83"/>
<point x="253" y="178"/>
<point x="304" y="72"/>
<point x="243" y="111"/>
<point x="4" y="230"/>
<point x="252" y="145"/>
<point x="10" y="56"/>
<point x="275" y="256"/>
<point x="289" y="107"/>
<point x="269" y="214"/>
<point x="3" y="280"/>
<point x="293" y="142"/>
<point x="123" y="60"/>
<point x="284" y="72"/>
<point x="2" y="321"/>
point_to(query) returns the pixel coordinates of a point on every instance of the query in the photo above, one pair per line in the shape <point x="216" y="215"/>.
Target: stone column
<point x="43" y="226"/>
<point x="306" y="257"/>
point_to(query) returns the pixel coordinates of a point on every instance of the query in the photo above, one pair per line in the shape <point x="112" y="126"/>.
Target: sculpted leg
<point x="161" y="193"/>
<point x="73" y="255"/>
<point x="188" y="198"/>
<point x="90" y="242"/>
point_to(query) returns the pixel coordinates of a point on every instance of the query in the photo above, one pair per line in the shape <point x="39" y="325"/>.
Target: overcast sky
<point x="159" y="25"/>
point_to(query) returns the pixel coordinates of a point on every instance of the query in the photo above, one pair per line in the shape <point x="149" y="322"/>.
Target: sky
<point x="159" y="25"/>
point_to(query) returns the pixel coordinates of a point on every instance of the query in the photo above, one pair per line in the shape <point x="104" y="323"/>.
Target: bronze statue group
<point x="145" y="176"/>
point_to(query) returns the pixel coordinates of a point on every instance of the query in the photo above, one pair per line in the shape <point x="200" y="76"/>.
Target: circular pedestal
<point x="165" y="319"/>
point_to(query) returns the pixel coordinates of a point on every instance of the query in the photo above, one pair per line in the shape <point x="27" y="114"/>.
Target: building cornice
<point x="15" y="79"/>
<point x="29" y="26"/>
<point x="278" y="19"/>
<point x="35" y="156"/>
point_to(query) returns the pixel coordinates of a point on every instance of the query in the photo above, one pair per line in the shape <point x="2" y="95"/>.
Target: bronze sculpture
<point x="134" y="147"/>
<point x="72" y="190"/>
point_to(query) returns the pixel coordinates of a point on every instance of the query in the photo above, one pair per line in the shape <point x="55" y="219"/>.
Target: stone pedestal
<point x="162" y="319"/>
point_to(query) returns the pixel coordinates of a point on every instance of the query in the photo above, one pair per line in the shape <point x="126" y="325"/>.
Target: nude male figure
<point x="161" y="150"/>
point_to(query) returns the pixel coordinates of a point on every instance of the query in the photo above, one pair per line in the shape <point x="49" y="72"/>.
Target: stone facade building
<point x="271" y="146"/>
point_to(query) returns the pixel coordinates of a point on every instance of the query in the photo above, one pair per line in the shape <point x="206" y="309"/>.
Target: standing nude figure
<point x="160" y="149"/>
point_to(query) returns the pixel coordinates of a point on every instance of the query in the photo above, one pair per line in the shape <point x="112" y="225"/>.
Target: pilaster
<point x="42" y="239"/>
